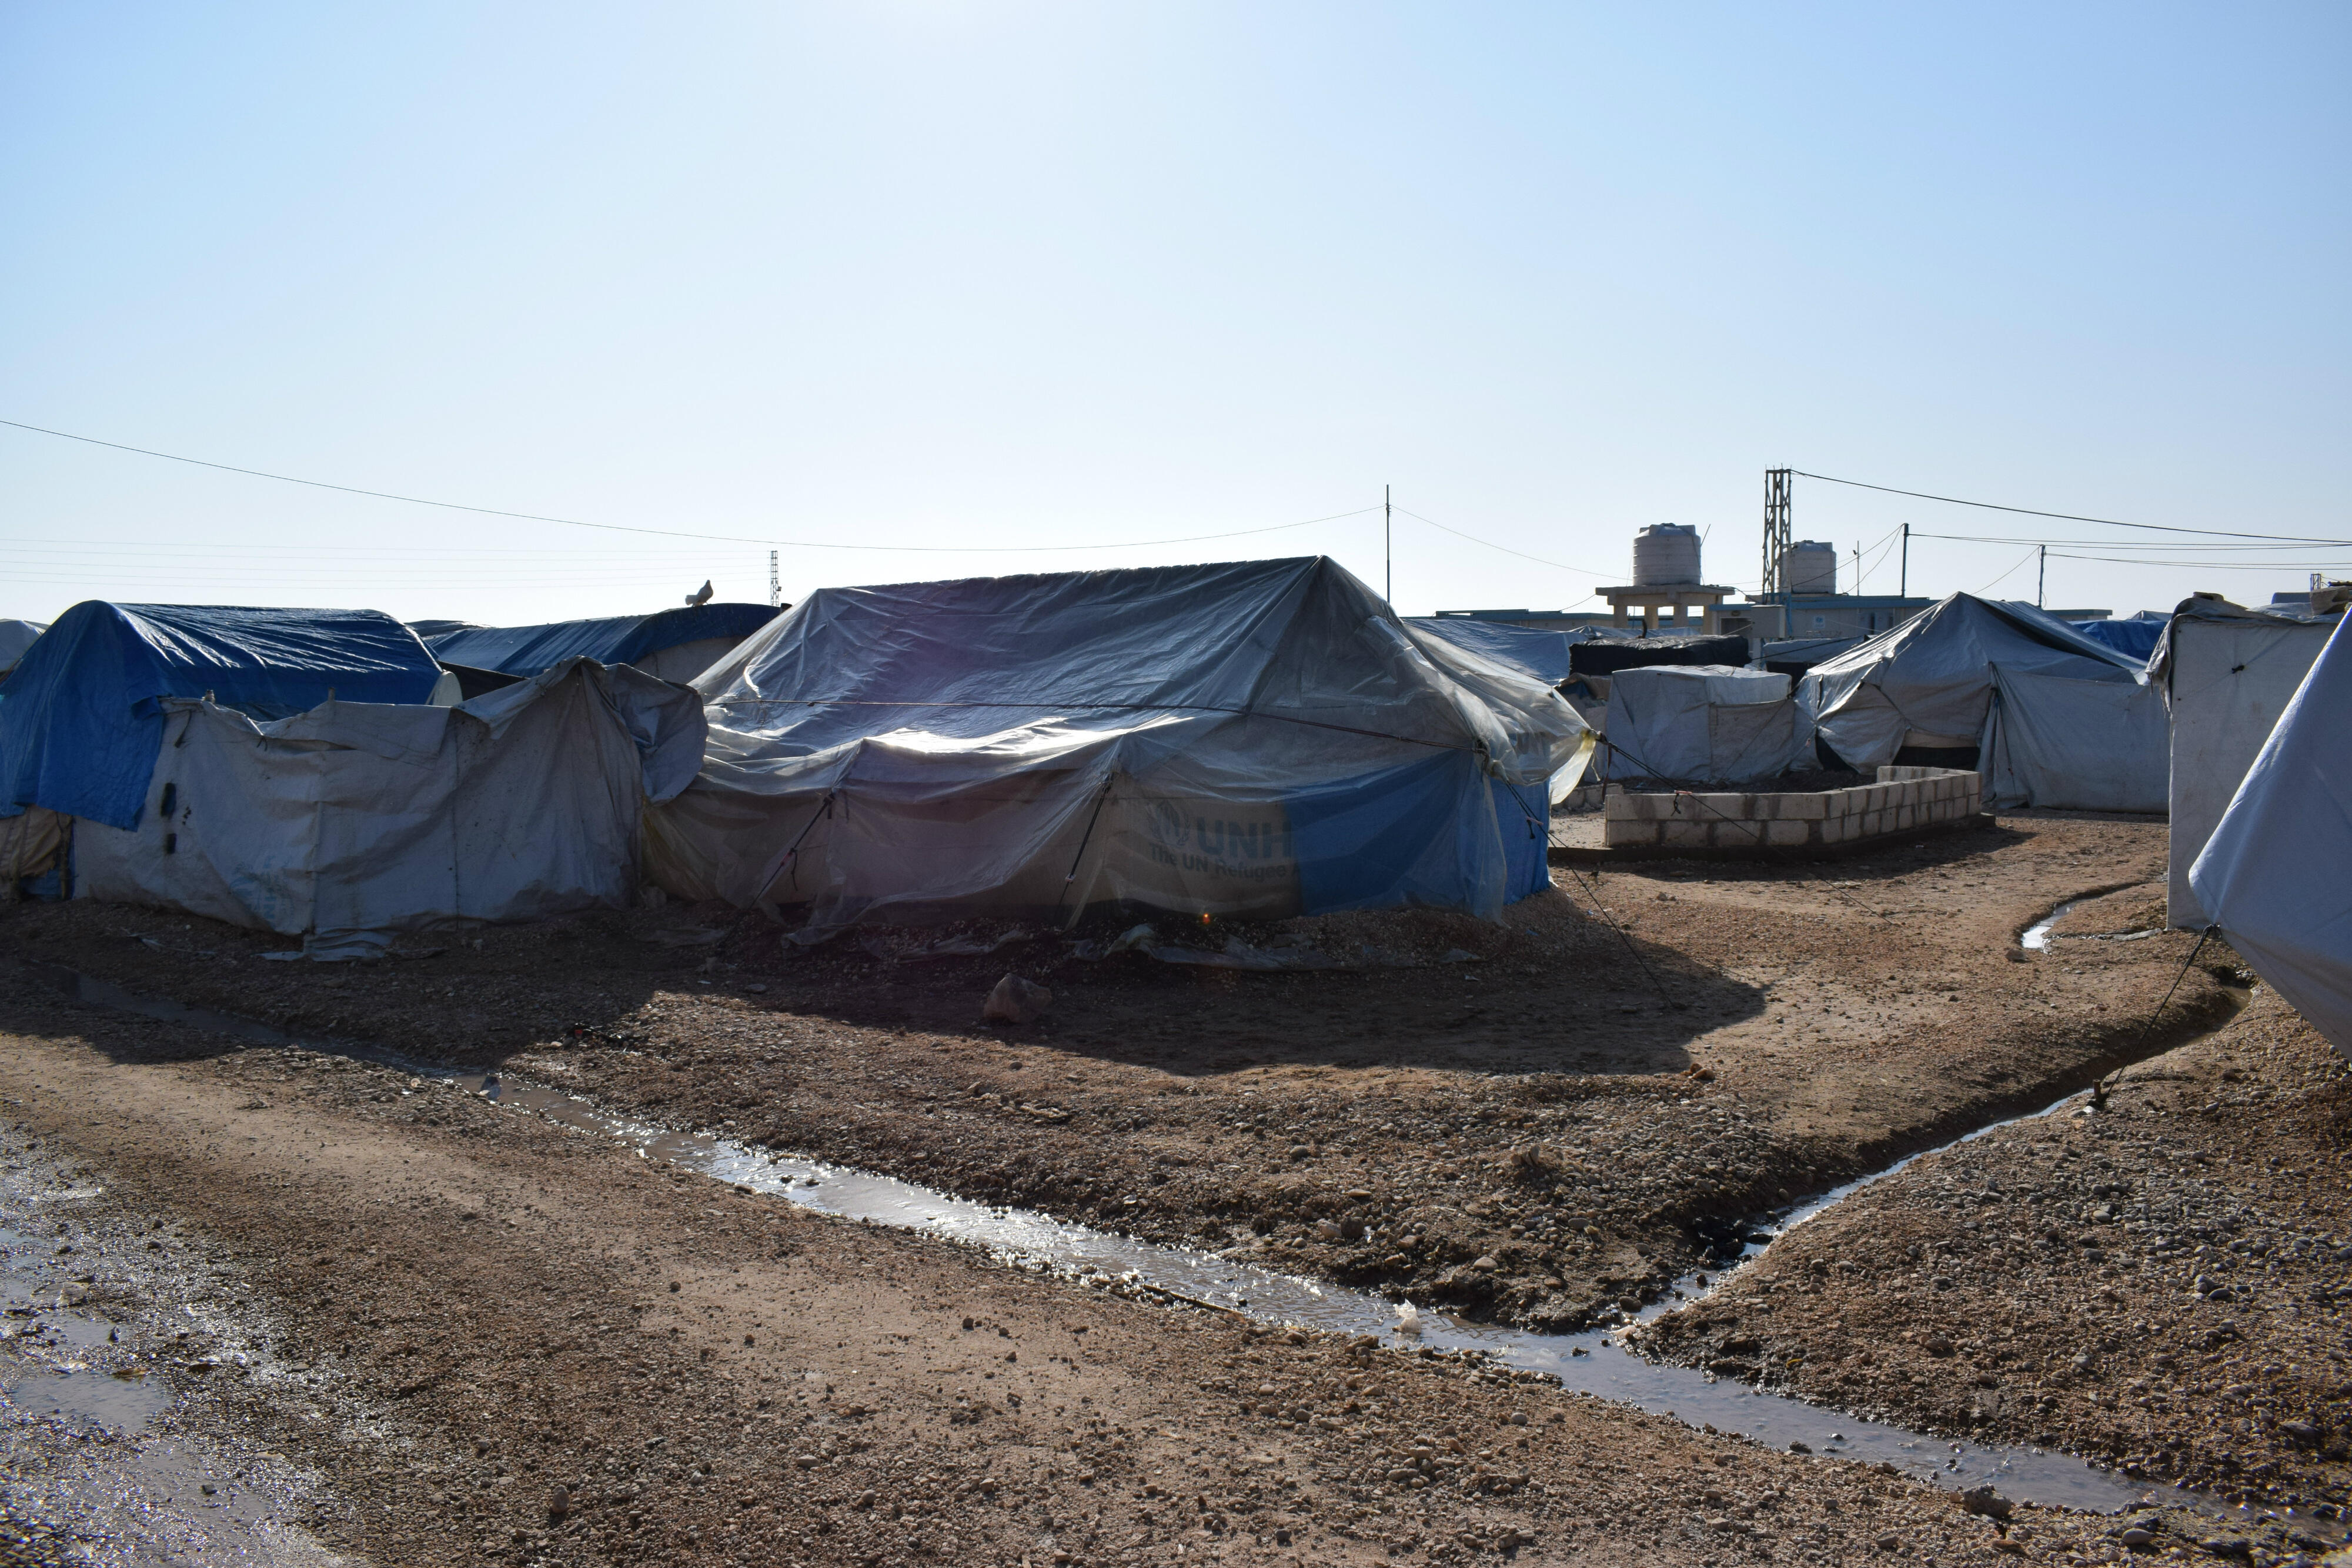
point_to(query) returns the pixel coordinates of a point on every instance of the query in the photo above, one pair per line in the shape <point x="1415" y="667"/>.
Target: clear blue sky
<point x="956" y="275"/>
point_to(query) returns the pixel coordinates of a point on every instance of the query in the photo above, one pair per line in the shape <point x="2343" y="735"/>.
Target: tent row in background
<point x="1256" y="738"/>
<point x="1248" y="739"/>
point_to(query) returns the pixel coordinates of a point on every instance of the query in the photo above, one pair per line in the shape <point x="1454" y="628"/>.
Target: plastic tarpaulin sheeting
<point x="1929" y="683"/>
<point x="82" y="716"/>
<point x="1258" y="738"/>
<point x="2271" y="876"/>
<point x="2133" y="639"/>
<point x="358" y="818"/>
<point x="2227" y="673"/>
<point x="1711" y="723"/>
<point x="1533" y="651"/>
<point x="2089" y="745"/>
<point x="638" y="639"/>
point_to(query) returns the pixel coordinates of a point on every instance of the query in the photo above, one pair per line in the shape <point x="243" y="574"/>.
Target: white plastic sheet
<point x="374" y="818"/>
<point x="1257" y="737"/>
<point x="2273" y="873"/>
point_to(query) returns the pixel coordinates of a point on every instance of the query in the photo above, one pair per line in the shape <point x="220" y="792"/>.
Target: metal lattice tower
<point x="1776" y="528"/>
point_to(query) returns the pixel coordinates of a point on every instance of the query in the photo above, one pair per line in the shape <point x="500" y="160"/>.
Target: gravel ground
<point x="479" y="1338"/>
<point x="2162" y="1282"/>
<point x="1544" y="1122"/>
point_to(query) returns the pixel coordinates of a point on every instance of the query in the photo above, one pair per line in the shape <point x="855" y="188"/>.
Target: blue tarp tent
<point x="2135" y="638"/>
<point x="659" y="644"/>
<point x="1258" y="738"/>
<point x="82" y="716"/>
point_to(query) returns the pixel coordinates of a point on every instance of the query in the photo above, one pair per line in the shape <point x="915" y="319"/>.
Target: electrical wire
<point x="2124" y="544"/>
<point x="2063" y="516"/>
<point x="672" y="533"/>
<point x="2011" y="572"/>
<point x="1506" y="550"/>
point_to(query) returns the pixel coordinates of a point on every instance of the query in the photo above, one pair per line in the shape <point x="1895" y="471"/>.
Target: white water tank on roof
<point x="1665" y="552"/>
<point x="1808" y="568"/>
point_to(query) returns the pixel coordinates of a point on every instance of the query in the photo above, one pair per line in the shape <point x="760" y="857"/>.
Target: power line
<point x="1506" y="550"/>
<point x="2063" y="517"/>
<point x="2011" y="572"/>
<point x="672" y="533"/>
<point x="2124" y="544"/>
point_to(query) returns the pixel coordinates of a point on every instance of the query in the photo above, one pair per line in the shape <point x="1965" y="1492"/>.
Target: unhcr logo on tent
<point x="1196" y="840"/>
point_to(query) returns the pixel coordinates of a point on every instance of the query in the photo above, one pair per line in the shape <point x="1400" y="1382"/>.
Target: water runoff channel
<point x="1597" y="1362"/>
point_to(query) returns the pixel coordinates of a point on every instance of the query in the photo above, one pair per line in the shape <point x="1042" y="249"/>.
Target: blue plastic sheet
<point x="618" y="639"/>
<point x="80" y="722"/>
<point x="2135" y="638"/>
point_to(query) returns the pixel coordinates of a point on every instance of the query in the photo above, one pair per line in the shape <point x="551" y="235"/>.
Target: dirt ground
<point x="483" y="1339"/>
<point x="1544" y="1122"/>
<point x="447" y="1310"/>
<point x="2163" y="1281"/>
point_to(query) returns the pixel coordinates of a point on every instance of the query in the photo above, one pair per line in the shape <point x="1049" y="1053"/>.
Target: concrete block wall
<point x="1902" y="800"/>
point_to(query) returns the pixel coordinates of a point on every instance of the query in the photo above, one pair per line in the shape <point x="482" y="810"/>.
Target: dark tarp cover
<point x="617" y="640"/>
<point x="81" y="719"/>
<point x="1607" y="658"/>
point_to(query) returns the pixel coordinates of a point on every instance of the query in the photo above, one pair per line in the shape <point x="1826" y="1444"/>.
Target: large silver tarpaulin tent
<point x="2054" y="718"/>
<point x="1258" y="738"/>
<point x="2273" y="873"/>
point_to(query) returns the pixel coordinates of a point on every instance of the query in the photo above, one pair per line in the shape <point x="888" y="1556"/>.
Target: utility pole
<point x="2041" y="581"/>
<point x="1387" y="560"/>
<point x="775" y="583"/>
<point x="1902" y="582"/>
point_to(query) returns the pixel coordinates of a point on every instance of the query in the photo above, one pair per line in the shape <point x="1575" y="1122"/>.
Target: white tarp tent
<point x="2226" y="674"/>
<point x="2005" y="681"/>
<point x="354" y="820"/>
<point x="1710" y="723"/>
<point x="2271" y="876"/>
<point x="1258" y="738"/>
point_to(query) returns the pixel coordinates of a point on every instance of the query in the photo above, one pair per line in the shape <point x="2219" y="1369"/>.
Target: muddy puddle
<point x="92" y="1455"/>
<point x="1596" y="1361"/>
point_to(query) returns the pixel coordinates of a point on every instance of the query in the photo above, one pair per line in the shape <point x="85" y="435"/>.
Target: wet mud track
<point x="1528" y="1125"/>
<point x="485" y="1307"/>
<point x="1382" y="1438"/>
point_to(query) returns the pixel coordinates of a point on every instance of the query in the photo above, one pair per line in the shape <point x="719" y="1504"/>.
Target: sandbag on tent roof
<point x="1257" y="737"/>
<point x="1931" y="685"/>
<point x="82" y="716"/>
<point x="2272" y="875"/>
<point x="676" y="644"/>
<point x="354" y="820"/>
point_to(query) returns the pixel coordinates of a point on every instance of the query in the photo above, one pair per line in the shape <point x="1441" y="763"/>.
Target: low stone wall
<point x="1903" y="799"/>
